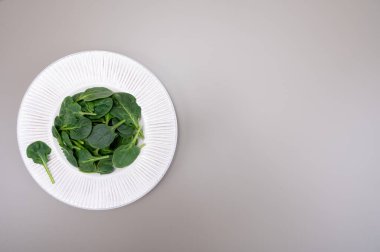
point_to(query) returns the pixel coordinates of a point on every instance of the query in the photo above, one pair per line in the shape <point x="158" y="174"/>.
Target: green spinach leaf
<point x="124" y="155"/>
<point x="87" y="106"/>
<point x="105" y="166"/>
<point x="103" y="135"/>
<point x="70" y="156"/>
<point x="86" y="161"/>
<point x="66" y="139"/>
<point x="82" y="129"/>
<point x="94" y="94"/>
<point x="71" y="108"/>
<point x="124" y="130"/>
<point x="76" y="96"/>
<point x="100" y="107"/>
<point x="126" y="108"/>
<point x="58" y="122"/>
<point x="57" y="135"/>
<point x="39" y="151"/>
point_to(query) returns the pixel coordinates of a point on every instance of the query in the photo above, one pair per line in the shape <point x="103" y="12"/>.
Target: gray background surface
<point x="278" y="111"/>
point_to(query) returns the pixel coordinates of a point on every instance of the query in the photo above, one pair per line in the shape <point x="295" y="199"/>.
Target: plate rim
<point x="174" y="118"/>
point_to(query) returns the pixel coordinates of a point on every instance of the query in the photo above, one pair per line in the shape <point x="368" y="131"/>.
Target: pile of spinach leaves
<point x="99" y="130"/>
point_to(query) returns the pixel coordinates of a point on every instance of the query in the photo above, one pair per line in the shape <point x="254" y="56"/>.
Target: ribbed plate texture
<point x="75" y="73"/>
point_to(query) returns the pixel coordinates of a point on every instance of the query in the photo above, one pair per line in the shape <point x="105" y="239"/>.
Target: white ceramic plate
<point x="75" y="73"/>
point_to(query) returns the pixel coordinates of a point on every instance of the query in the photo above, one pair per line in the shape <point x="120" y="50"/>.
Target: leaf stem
<point x="78" y="144"/>
<point x="136" y="136"/>
<point x="48" y="172"/>
<point x="141" y="134"/>
<point x="68" y="128"/>
<point x="87" y="113"/>
<point x="108" y="118"/>
<point x="96" y="159"/>
<point x="118" y="124"/>
<point x="107" y="151"/>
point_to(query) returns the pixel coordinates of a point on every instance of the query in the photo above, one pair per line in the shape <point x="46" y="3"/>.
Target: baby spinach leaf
<point x="65" y="104"/>
<point x="94" y="94"/>
<point x="75" y="97"/>
<point x="58" y="122"/>
<point x="68" y="121"/>
<point x="124" y="155"/>
<point x="103" y="135"/>
<point x="87" y="106"/>
<point x="124" y="129"/>
<point x="126" y="108"/>
<point x="71" y="108"/>
<point x="84" y="155"/>
<point x="120" y="140"/>
<point x="82" y="129"/>
<point x="70" y="156"/>
<point x="57" y="135"/>
<point x="86" y="161"/>
<point x="105" y="166"/>
<point x="39" y="151"/>
<point x="100" y="107"/>
<point x="66" y="139"/>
